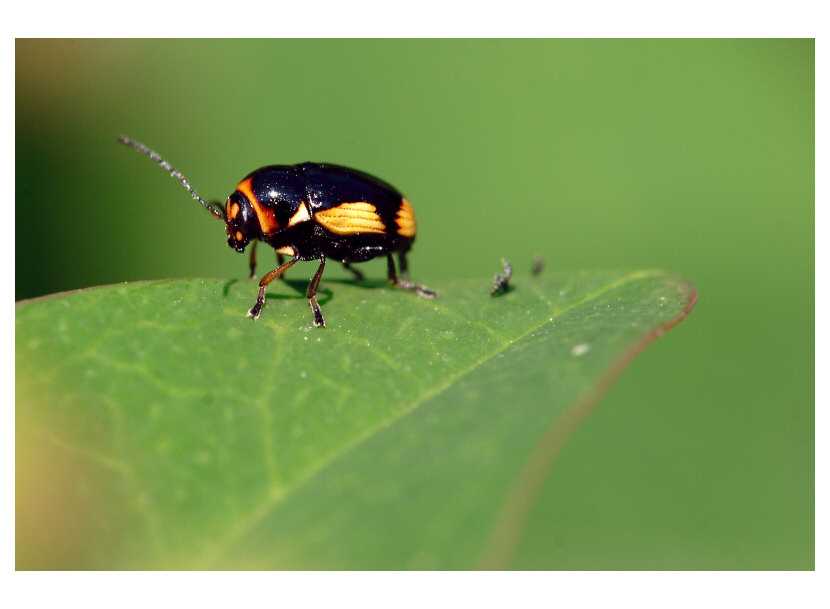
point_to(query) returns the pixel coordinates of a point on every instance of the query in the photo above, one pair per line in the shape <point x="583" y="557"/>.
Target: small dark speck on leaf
<point x="538" y="265"/>
<point x="501" y="285"/>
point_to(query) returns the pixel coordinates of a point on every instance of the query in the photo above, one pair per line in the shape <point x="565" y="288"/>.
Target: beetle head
<point x="241" y="222"/>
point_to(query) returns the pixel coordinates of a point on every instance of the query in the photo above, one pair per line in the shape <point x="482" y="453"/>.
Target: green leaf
<point x="158" y="427"/>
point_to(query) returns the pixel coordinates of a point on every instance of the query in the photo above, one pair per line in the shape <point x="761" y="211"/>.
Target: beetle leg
<point x="268" y="278"/>
<point x="405" y="283"/>
<point x="311" y="292"/>
<point x="403" y="265"/>
<point x="390" y="270"/>
<point x="280" y="261"/>
<point x="357" y="274"/>
<point x="253" y="260"/>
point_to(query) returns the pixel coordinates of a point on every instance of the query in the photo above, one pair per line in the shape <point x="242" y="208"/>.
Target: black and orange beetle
<point x="313" y="211"/>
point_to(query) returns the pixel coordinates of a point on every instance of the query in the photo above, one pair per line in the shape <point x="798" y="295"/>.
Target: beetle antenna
<point x="155" y="156"/>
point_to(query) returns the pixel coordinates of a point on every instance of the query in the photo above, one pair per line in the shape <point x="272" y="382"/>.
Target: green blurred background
<point x="691" y="156"/>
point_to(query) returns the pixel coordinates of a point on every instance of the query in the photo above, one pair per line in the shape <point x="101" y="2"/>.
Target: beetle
<point x="312" y="212"/>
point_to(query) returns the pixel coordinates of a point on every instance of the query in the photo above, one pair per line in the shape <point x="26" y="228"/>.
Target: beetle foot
<point x="318" y="313"/>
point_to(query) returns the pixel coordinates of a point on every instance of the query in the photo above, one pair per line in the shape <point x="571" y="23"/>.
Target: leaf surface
<point x="158" y="427"/>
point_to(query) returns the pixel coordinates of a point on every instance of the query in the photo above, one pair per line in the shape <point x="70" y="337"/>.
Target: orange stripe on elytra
<point x="406" y="219"/>
<point x="351" y="218"/>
